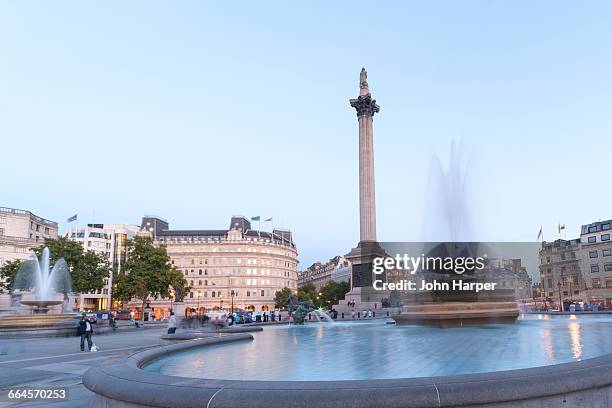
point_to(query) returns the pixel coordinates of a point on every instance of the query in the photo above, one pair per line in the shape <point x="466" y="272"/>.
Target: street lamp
<point x="560" y="301"/>
<point x="199" y="296"/>
<point x="232" y="294"/>
<point x="221" y="301"/>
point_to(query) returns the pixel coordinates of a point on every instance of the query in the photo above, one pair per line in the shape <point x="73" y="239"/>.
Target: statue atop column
<point x="363" y="82"/>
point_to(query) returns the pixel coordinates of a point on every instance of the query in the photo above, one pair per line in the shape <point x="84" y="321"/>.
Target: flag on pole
<point x="268" y="219"/>
<point x="561" y="227"/>
<point x="73" y="218"/>
<point x="258" y="218"/>
<point x="539" y="234"/>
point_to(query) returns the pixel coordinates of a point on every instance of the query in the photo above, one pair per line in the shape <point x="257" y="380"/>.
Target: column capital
<point x="365" y="105"/>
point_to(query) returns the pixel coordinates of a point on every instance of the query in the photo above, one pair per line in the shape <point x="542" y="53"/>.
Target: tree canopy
<point x="327" y="296"/>
<point x="8" y="271"/>
<point x="148" y="273"/>
<point x="88" y="269"/>
<point x="308" y="292"/>
<point x="281" y="298"/>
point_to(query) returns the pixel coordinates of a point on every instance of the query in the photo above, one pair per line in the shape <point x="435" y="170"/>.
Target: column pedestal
<point x="362" y="275"/>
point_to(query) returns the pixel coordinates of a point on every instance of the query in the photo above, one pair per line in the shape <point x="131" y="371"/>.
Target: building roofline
<point x="19" y="211"/>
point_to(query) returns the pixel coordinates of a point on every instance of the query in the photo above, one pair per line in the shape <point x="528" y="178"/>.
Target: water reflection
<point x="574" y="329"/>
<point x="370" y="350"/>
<point x="547" y="345"/>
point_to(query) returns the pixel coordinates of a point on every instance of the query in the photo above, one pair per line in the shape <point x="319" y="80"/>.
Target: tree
<point x="148" y="273"/>
<point x="8" y="273"/>
<point x="308" y="292"/>
<point x="281" y="298"/>
<point x="88" y="269"/>
<point x="333" y="292"/>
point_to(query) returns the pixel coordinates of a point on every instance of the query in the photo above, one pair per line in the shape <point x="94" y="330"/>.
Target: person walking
<point x="172" y="323"/>
<point x="112" y="322"/>
<point x="85" y="330"/>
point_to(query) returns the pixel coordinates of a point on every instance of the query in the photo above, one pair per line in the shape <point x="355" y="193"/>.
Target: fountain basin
<point x="41" y="306"/>
<point x="133" y="383"/>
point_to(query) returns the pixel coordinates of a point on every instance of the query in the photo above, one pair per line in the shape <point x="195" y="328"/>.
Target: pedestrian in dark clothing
<point x="85" y="330"/>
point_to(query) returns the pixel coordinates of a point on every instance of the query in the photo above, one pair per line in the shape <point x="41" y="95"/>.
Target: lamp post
<point x="221" y="302"/>
<point x="232" y="294"/>
<point x="199" y="296"/>
<point x="560" y="301"/>
<point x="171" y="298"/>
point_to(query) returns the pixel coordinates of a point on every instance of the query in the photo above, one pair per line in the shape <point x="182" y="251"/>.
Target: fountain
<point x="42" y="285"/>
<point x="451" y="222"/>
<point x="36" y="274"/>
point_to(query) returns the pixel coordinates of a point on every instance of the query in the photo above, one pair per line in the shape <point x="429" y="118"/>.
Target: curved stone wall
<point x="586" y="383"/>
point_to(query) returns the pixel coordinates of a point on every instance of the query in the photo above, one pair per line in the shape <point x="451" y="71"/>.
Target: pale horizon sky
<point x="196" y="111"/>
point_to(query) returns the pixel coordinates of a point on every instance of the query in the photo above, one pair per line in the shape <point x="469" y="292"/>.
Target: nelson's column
<point x="361" y="257"/>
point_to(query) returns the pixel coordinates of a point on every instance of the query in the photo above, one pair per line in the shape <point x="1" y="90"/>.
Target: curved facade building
<point x="238" y="265"/>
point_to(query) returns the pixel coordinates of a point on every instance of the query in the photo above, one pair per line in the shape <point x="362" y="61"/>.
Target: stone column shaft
<point x="367" y="195"/>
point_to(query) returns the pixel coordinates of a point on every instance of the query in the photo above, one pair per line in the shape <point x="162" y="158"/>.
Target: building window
<point x="592" y="254"/>
<point x="606" y="252"/>
<point x="608" y="282"/>
<point x="605" y="227"/>
<point x="592" y="240"/>
<point x="262" y="293"/>
<point x="608" y="267"/>
<point x="594" y="268"/>
<point x="190" y="295"/>
<point x="596" y="283"/>
<point x="593" y="228"/>
<point x="605" y="237"/>
<point x="199" y="272"/>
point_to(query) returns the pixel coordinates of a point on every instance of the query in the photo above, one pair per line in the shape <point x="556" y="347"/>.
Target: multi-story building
<point x="579" y="269"/>
<point x="596" y="254"/>
<point x="337" y="269"/>
<point x="537" y="291"/>
<point x="20" y="232"/>
<point x="237" y="266"/>
<point x="560" y="270"/>
<point x="509" y="274"/>
<point x="109" y="240"/>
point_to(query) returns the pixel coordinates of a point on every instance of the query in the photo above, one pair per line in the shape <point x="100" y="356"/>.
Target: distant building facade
<point x="109" y="240"/>
<point x="579" y="269"/>
<point x="236" y="265"/>
<point x="561" y="270"/>
<point x="20" y="232"/>
<point x="596" y="254"/>
<point x="337" y="269"/>
<point x="510" y="274"/>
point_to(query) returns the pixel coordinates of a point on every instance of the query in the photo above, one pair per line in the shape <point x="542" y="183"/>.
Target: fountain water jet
<point x="46" y="282"/>
<point x="322" y="316"/>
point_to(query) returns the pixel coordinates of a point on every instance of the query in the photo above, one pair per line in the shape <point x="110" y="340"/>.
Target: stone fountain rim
<point x="124" y="383"/>
<point x="34" y="302"/>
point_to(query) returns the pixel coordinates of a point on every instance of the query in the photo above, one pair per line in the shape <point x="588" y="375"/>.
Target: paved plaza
<point x="58" y="362"/>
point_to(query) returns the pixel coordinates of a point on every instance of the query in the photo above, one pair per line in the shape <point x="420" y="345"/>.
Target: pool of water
<point x="375" y="350"/>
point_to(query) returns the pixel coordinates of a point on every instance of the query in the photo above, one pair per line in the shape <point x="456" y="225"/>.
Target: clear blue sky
<point x="196" y="111"/>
